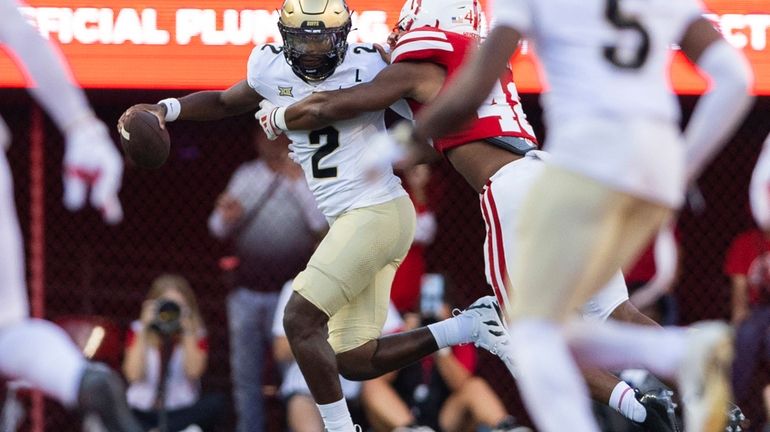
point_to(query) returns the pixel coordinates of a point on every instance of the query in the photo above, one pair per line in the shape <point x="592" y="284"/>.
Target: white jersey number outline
<point x="507" y="107"/>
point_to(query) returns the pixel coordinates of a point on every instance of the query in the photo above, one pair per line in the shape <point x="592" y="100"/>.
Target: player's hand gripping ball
<point x="144" y="141"/>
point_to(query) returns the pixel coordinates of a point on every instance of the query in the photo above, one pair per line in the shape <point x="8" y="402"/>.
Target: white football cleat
<point x="489" y="332"/>
<point x="704" y="376"/>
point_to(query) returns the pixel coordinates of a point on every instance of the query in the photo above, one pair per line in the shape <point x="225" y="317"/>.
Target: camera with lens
<point x="167" y="321"/>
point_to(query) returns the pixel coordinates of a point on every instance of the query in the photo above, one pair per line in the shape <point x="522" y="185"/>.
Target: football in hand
<point x="144" y="142"/>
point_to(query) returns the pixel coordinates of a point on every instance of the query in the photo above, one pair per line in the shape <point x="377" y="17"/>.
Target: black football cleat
<point x="661" y="416"/>
<point x="102" y="394"/>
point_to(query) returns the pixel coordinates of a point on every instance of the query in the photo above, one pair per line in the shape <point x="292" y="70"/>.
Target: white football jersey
<point x="610" y="57"/>
<point x="331" y="157"/>
<point x="610" y="112"/>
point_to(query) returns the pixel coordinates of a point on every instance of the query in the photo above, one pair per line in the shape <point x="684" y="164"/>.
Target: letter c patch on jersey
<point x="284" y="91"/>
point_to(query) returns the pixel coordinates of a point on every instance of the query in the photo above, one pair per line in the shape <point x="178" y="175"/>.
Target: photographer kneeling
<point x="166" y="354"/>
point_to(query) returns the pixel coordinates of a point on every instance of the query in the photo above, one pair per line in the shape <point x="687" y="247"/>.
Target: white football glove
<point x="402" y="154"/>
<point x="92" y="161"/>
<point x="266" y="118"/>
<point x="294" y="158"/>
<point x="386" y="149"/>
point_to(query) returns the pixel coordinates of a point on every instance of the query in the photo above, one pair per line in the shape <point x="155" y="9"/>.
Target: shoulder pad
<point x="364" y="55"/>
<point x="259" y="59"/>
<point x="265" y="52"/>
<point x="422" y="44"/>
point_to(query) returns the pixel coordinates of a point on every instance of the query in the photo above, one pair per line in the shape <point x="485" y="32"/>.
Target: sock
<point x="336" y="416"/>
<point x="44" y="356"/>
<point x="548" y="380"/>
<point x="623" y="401"/>
<point x="616" y="346"/>
<point x="452" y="331"/>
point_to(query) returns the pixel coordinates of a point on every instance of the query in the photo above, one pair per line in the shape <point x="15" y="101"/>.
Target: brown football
<point x="144" y="142"/>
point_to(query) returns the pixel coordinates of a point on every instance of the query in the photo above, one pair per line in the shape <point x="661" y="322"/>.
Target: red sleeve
<point x="739" y="256"/>
<point x="466" y="355"/>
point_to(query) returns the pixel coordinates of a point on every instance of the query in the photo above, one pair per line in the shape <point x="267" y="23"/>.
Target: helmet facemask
<point x="314" y="52"/>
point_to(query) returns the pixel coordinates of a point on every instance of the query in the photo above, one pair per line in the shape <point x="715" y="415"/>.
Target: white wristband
<point x="279" y="118"/>
<point x="173" y="108"/>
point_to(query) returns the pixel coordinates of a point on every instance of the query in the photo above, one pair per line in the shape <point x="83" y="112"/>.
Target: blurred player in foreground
<point x="346" y="284"/>
<point x="495" y="152"/>
<point x="759" y="189"/>
<point x="618" y="170"/>
<point x="32" y="350"/>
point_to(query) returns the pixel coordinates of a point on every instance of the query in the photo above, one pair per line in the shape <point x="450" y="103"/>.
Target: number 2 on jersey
<point x="332" y="143"/>
<point x="623" y="22"/>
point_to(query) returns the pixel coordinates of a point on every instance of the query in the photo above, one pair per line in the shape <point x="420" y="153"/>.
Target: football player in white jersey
<point x="36" y="351"/>
<point x="346" y="285"/>
<point x="429" y="44"/>
<point x="759" y="189"/>
<point x="618" y="170"/>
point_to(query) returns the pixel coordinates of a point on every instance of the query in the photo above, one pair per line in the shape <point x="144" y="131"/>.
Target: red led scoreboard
<point x="167" y="44"/>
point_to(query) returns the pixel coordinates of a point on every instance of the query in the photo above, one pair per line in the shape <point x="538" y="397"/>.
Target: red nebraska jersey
<point x="500" y="115"/>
